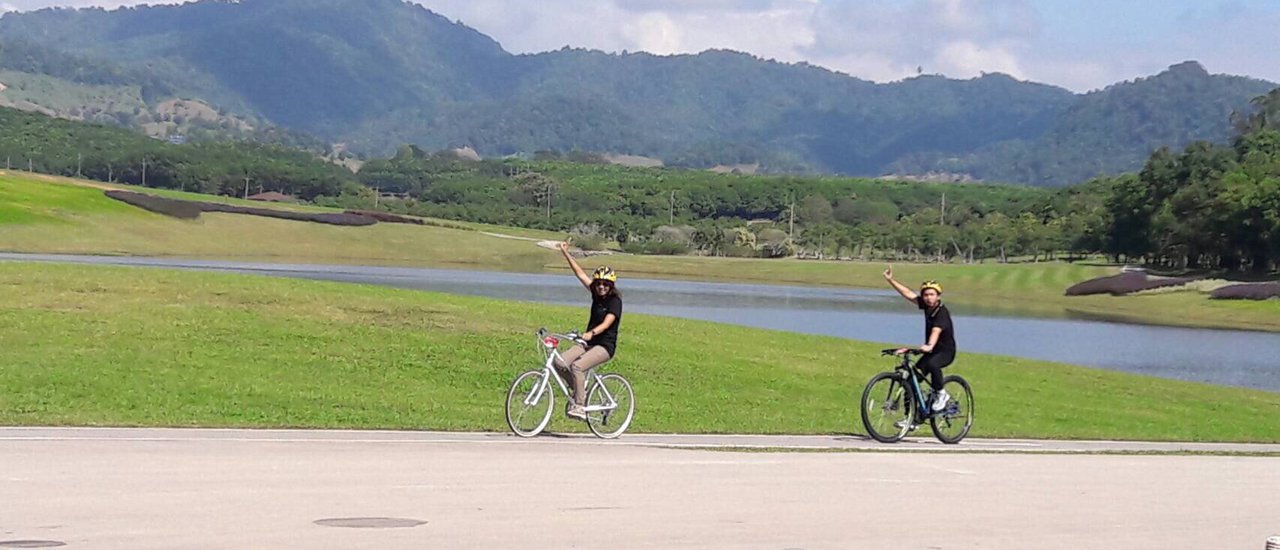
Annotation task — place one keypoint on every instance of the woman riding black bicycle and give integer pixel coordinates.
(940, 342)
(601, 334)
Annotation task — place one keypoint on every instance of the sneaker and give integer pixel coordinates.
(940, 401)
(576, 412)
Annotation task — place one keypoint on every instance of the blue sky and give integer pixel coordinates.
(1077, 44)
(1135, 22)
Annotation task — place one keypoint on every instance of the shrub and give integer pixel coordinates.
(655, 248)
(674, 235)
(1249, 291)
(777, 250)
(190, 210)
(185, 210)
(770, 235)
(1124, 283)
(588, 237)
(325, 218)
(386, 217)
(740, 251)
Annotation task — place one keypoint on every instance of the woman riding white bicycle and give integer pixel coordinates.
(601, 334)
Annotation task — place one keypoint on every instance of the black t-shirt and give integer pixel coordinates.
(599, 308)
(938, 317)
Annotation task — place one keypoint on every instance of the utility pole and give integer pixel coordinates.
(548, 201)
(144, 171)
(672, 216)
(791, 233)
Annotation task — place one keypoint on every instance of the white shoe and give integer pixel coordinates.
(940, 401)
(904, 424)
(576, 412)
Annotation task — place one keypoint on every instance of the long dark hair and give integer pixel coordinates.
(613, 288)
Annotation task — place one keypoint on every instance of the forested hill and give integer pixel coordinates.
(378, 73)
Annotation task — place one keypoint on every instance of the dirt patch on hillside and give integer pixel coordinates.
(634, 161)
(745, 169)
(196, 110)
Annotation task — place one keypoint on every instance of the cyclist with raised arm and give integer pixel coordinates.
(939, 349)
(601, 336)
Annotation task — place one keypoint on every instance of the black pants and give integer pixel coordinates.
(933, 363)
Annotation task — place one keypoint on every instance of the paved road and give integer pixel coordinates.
(142, 489)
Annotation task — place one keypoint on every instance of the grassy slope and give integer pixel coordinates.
(136, 346)
(53, 215)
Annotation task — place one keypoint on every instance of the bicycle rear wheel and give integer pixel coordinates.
(887, 412)
(952, 423)
(610, 422)
(528, 411)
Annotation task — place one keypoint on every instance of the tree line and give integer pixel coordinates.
(1208, 206)
(30, 141)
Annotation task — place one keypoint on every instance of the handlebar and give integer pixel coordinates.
(894, 351)
(552, 339)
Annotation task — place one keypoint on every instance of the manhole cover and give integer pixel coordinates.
(370, 523)
(31, 544)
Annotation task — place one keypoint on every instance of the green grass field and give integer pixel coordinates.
(29, 203)
(109, 346)
(55, 215)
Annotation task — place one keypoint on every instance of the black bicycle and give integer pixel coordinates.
(896, 403)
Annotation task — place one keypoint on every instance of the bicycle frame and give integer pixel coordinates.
(913, 382)
(549, 371)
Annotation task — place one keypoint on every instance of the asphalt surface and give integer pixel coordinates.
(162, 488)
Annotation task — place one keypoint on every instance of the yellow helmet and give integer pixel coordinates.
(931, 284)
(604, 273)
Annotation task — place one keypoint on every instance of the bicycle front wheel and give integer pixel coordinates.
(952, 423)
(529, 404)
(887, 412)
(610, 406)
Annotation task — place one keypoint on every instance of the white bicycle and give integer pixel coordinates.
(531, 399)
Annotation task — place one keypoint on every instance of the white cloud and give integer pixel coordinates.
(958, 38)
(967, 58)
(654, 32)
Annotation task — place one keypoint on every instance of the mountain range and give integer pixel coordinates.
(374, 74)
